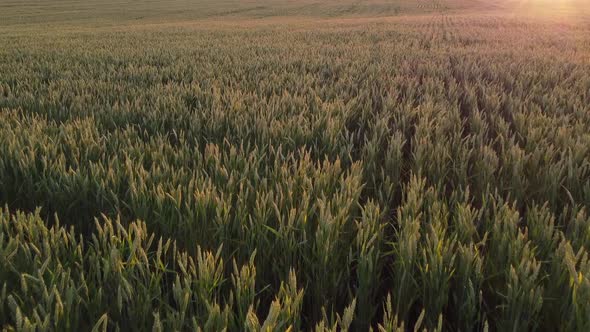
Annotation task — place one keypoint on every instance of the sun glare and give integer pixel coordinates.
(552, 9)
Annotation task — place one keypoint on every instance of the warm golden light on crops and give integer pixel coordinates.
(564, 11)
(280, 165)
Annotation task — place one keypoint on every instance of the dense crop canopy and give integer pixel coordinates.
(279, 166)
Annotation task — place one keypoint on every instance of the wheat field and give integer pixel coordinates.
(280, 165)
